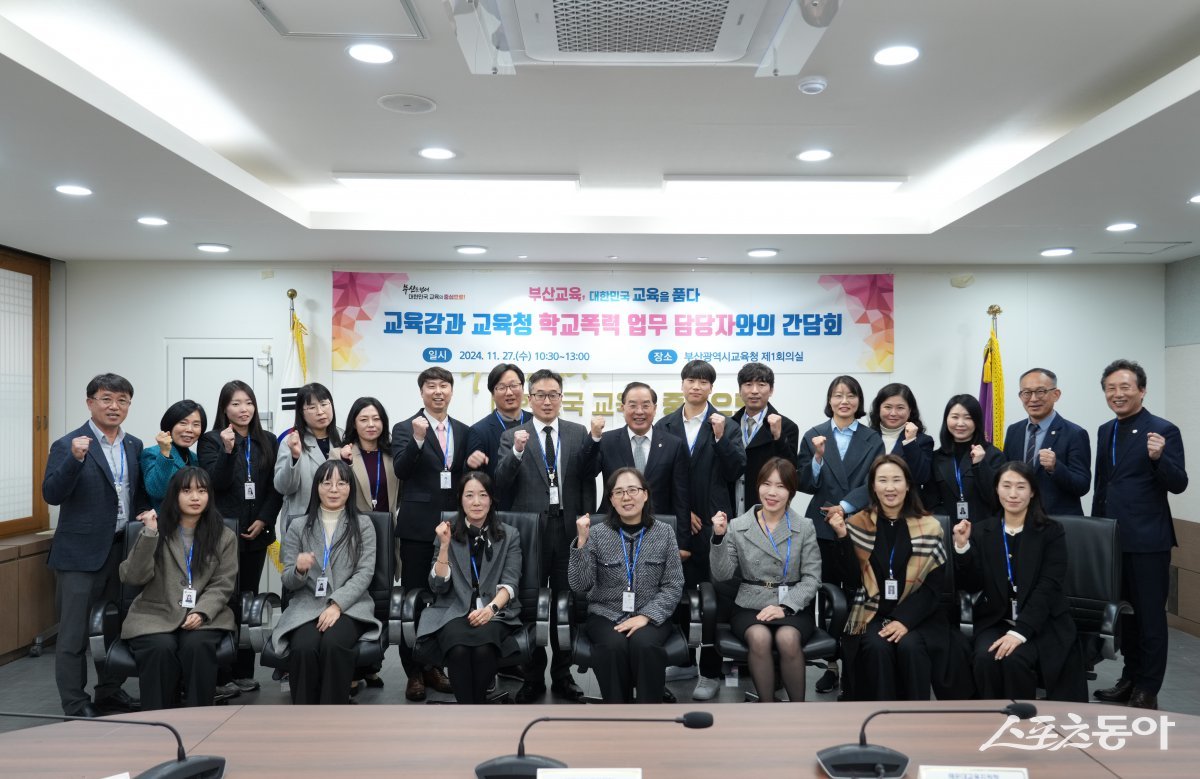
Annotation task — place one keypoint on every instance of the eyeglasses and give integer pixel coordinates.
(318, 405)
(1038, 393)
(627, 492)
(335, 485)
(109, 400)
(502, 388)
(542, 397)
(840, 397)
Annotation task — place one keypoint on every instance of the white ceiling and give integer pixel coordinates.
(1023, 125)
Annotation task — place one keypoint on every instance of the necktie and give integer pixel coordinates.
(551, 458)
(1031, 445)
(441, 434)
(639, 452)
(749, 428)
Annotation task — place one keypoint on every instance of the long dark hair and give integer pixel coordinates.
(493, 528)
(612, 520)
(352, 538)
(255, 429)
(315, 393)
(207, 539)
(891, 391)
(1036, 513)
(385, 437)
(974, 410)
(912, 507)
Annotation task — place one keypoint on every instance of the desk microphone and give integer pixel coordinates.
(182, 767)
(526, 766)
(854, 761)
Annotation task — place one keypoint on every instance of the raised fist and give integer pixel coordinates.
(582, 526)
(818, 445)
(163, 439)
(775, 422)
(718, 425)
(443, 533)
(476, 460)
(720, 523)
(520, 438)
(294, 444)
(79, 447)
(420, 428)
(228, 439)
(962, 533)
(597, 426)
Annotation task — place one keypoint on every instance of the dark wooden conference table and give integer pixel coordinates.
(448, 741)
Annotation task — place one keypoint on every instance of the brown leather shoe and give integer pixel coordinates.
(415, 691)
(437, 680)
(1143, 700)
(1118, 693)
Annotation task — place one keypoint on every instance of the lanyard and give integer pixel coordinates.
(475, 569)
(696, 440)
(788, 559)
(378, 473)
(449, 440)
(500, 419)
(249, 474)
(958, 478)
(188, 559)
(1007, 556)
(325, 565)
(892, 561)
(630, 569)
(120, 474)
(746, 434)
(1116, 424)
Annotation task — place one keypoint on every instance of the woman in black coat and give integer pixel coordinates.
(964, 466)
(1023, 627)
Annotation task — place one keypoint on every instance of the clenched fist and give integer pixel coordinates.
(977, 453)
(962, 533)
(583, 526)
(163, 439)
(818, 445)
(420, 428)
(597, 426)
(775, 422)
(520, 438)
(295, 446)
(718, 425)
(228, 439)
(1154, 445)
(443, 533)
(720, 523)
(476, 460)
(79, 447)
(910, 431)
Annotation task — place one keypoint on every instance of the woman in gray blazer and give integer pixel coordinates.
(775, 554)
(628, 568)
(313, 439)
(328, 564)
(475, 574)
(186, 563)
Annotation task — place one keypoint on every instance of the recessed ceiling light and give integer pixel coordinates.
(1121, 227)
(613, 257)
(812, 85)
(701, 259)
(437, 153)
(371, 53)
(896, 55)
(470, 249)
(1060, 252)
(522, 256)
(213, 248)
(152, 221)
(1194, 199)
(762, 252)
(72, 189)
(814, 155)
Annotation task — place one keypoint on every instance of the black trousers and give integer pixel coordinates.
(627, 662)
(695, 571)
(1145, 580)
(75, 594)
(321, 665)
(250, 568)
(1016, 676)
(555, 557)
(892, 672)
(472, 669)
(416, 560)
(166, 659)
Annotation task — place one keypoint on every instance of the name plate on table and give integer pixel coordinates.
(589, 773)
(970, 772)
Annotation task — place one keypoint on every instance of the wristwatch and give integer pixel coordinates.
(495, 609)
(788, 610)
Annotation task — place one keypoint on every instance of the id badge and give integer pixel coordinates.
(446, 483)
(627, 601)
(964, 510)
(1012, 608)
(783, 591)
(554, 495)
(249, 490)
(189, 598)
(891, 589)
(121, 508)
(478, 603)
(322, 586)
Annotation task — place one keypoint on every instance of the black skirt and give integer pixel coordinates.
(743, 618)
(432, 648)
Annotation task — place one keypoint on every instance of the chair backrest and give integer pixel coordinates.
(382, 582)
(949, 594)
(1094, 569)
(129, 592)
(531, 527)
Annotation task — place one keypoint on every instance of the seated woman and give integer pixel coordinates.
(476, 571)
(892, 555)
(186, 563)
(328, 563)
(775, 555)
(1023, 628)
(628, 568)
(180, 427)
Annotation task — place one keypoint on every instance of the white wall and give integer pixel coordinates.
(116, 317)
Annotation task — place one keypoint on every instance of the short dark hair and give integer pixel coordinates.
(1111, 368)
(855, 388)
(698, 369)
(436, 373)
(498, 373)
(787, 474)
(639, 385)
(180, 410)
(891, 391)
(110, 382)
(385, 437)
(913, 507)
(1049, 374)
(971, 404)
(612, 520)
(756, 371)
(315, 392)
(542, 374)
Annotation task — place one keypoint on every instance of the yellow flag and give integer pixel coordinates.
(991, 392)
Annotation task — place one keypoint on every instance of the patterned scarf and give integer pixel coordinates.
(927, 554)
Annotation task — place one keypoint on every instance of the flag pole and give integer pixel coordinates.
(291, 293)
(994, 311)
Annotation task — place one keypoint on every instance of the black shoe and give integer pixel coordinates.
(566, 688)
(119, 701)
(1118, 693)
(669, 697)
(374, 681)
(530, 692)
(88, 710)
(1140, 699)
(828, 682)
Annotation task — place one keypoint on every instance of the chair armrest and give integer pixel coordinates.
(564, 610)
(258, 618)
(413, 603)
(543, 617)
(708, 614)
(834, 608)
(104, 626)
(242, 634)
(694, 627)
(395, 630)
(1110, 624)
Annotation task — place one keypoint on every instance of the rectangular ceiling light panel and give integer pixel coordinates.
(342, 19)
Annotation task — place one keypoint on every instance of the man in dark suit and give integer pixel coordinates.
(662, 458)
(539, 465)
(92, 475)
(429, 450)
(765, 432)
(506, 382)
(1058, 451)
(1139, 459)
(716, 459)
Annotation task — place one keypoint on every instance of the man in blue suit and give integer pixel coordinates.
(1058, 451)
(1139, 459)
(506, 382)
(92, 475)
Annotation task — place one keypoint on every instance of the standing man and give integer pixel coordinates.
(539, 465)
(506, 382)
(92, 475)
(716, 459)
(1058, 451)
(1139, 459)
(428, 451)
(765, 432)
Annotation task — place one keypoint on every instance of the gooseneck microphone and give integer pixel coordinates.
(856, 761)
(526, 766)
(182, 767)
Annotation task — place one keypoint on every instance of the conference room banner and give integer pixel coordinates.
(618, 321)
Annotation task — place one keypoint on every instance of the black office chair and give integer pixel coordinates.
(111, 653)
(534, 598)
(1093, 585)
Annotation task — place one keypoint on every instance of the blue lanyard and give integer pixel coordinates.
(324, 535)
(958, 477)
(378, 474)
(121, 474)
(557, 454)
(188, 559)
(891, 561)
(746, 436)
(475, 568)
(630, 569)
(246, 444)
(788, 559)
(1116, 424)
(449, 440)
(1007, 557)
(500, 419)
